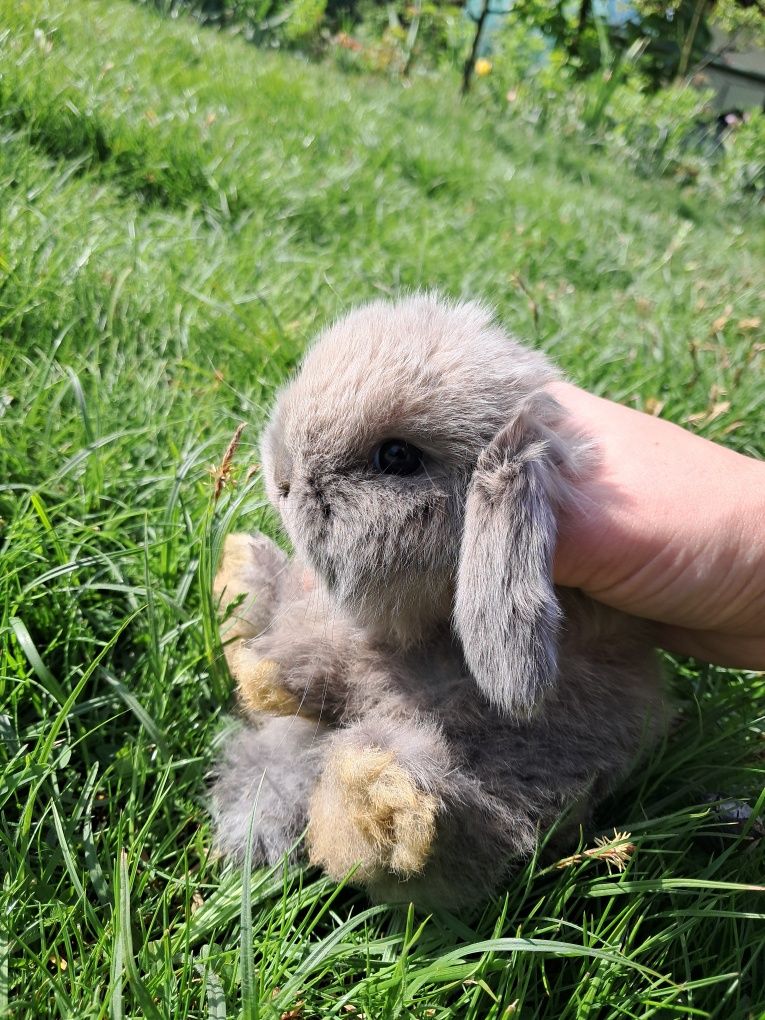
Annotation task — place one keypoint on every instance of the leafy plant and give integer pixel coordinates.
(742, 167)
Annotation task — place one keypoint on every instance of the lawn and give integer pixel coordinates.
(179, 212)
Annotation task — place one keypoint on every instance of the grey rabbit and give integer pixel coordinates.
(420, 698)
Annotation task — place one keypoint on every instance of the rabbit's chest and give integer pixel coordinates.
(436, 683)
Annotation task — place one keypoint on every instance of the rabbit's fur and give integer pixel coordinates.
(419, 695)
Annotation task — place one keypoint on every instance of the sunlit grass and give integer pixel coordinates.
(178, 213)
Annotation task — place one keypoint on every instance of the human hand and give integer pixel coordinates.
(672, 530)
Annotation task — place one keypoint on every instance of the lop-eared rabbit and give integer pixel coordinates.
(420, 698)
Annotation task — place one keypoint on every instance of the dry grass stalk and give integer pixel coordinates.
(616, 851)
(222, 474)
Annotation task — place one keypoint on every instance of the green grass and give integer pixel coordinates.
(178, 213)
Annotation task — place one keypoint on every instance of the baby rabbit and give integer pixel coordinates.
(420, 697)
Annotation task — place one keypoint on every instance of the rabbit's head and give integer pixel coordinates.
(371, 449)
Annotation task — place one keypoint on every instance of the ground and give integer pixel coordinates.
(179, 212)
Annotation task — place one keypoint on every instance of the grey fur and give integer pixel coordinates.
(432, 644)
(265, 779)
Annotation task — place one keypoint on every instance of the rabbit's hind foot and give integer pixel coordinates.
(368, 814)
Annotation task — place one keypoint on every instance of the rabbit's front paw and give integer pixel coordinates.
(245, 582)
(367, 812)
(259, 685)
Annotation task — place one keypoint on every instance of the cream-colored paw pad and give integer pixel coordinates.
(367, 812)
(258, 685)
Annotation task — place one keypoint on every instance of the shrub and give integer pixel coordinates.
(670, 130)
(742, 167)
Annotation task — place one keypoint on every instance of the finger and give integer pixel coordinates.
(727, 650)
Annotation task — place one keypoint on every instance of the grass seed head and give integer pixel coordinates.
(222, 475)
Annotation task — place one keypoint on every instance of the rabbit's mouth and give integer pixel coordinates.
(329, 575)
(319, 498)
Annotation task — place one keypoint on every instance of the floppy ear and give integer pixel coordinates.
(506, 611)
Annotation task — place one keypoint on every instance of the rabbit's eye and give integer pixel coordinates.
(397, 457)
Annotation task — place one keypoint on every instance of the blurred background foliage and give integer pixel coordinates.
(638, 77)
(677, 34)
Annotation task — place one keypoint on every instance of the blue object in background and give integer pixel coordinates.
(612, 12)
